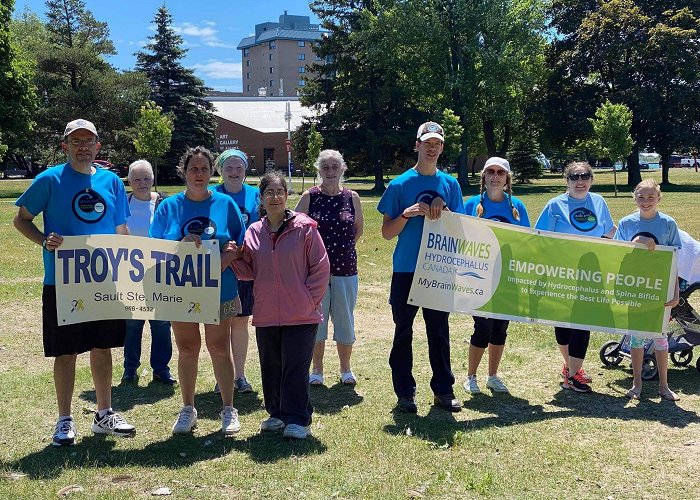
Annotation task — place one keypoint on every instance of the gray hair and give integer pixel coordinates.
(137, 164)
(330, 154)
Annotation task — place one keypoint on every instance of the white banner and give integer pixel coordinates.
(130, 277)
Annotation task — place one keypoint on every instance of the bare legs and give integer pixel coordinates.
(344, 353)
(476, 353)
(239, 344)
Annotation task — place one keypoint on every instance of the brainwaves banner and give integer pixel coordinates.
(504, 271)
(115, 276)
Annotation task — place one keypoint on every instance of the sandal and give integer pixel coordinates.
(632, 394)
(669, 396)
(348, 378)
(316, 379)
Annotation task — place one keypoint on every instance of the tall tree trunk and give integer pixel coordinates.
(665, 164)
(462, 173)
(505, 145)
(489, 137)
(634, 177)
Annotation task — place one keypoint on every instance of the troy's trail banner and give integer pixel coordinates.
(115, 276)
(504, 271)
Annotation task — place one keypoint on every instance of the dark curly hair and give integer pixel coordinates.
(268, 178)
(185, 159)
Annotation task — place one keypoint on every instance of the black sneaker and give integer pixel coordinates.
(112, 423)
(407, 405)
(164, 378)
(448, 402)
(64, 433)
(578, 383)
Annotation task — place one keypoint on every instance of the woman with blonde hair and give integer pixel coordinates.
(496, 202)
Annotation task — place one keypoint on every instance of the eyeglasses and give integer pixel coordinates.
(79, 143)
(583, 177)
(497, 171)
(271, 194)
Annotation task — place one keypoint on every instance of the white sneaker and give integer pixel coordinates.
(271, 424)
(496, 384)
(112, 423)
(186, 420)
(229, 420)
(470, 385)
(294, 431)
(64, 433)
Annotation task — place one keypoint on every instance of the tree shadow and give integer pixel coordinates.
(332, 400)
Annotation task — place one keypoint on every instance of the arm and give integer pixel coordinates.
(303, 204)
(122, 229)
(319, 266)
(392, 227)
(242, 259)
(24, 222)
(676, 295)
(359, 218)
(610, 234)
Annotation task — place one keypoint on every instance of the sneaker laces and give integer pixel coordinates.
(578, 377)
(64, 426)
(229, 413)
(112, 421)
(184, 417)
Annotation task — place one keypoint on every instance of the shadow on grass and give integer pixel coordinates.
(176, 452)
(331, 400)
(504, 410)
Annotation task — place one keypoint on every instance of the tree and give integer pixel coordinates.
(154, 131)
(18, 99)
(315, 144)
(453, 135)
(523, 160)
(176, 90)
(611, 126)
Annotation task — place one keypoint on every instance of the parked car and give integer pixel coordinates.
(121, 171)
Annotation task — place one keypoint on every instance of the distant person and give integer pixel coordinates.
(583, 213)
(650, 227)
(495, 202)
(192, 216)
(142, 204)
(232, 165)
(421, 191)
(284, 256)
(76, 199)
(338, 212)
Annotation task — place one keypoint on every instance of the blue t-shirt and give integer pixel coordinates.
(408, 189)
(217, 217)
(587, 217)
(247, 199)
(661, 228)
(500, 211)
(75, 204)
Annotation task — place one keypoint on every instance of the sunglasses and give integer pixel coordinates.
(497, 171)
(583, 177)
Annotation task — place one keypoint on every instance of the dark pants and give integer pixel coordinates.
(161, 346)
(285, 358)
(438, 331)
(489, 331)
(577, 340)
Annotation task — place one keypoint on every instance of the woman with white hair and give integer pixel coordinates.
(495, 201)
(142, 204)
(338, 212)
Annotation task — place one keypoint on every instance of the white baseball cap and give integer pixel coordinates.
(496, 161)
(78, 125)
(430, 130)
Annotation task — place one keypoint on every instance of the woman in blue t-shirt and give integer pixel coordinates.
(192, 216)
(495, 202)
(583, 213)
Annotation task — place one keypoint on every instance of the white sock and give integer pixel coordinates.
(104, 412)
(65, 417)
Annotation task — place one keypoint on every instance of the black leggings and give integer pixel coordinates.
(577, 340)
(489, 331)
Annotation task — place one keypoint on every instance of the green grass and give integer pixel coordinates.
(539, 442)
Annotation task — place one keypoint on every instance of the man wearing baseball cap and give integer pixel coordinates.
(76, 198)
(420, 192)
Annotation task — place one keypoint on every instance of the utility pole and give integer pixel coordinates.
(288, 118)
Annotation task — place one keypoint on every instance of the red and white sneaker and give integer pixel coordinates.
(565, 374)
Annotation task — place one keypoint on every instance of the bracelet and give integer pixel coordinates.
(404, 216)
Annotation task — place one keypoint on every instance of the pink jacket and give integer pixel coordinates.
(290, 277)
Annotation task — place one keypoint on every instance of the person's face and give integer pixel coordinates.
(495, 177)
(81, 147)
(198, 172)
(233, 171)
(647, 199)
(141, 182)
(274, 198)
(429, 150)
(330, 170)
(579, 181)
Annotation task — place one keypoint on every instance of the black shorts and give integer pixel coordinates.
(245, 292)
(80, 337)
(489, 331)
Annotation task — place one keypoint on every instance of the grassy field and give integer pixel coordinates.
(538, 442)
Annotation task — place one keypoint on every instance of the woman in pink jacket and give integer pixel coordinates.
(283, 254)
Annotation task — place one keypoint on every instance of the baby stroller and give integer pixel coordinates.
(683, 335)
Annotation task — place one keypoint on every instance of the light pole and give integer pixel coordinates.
(288, 118)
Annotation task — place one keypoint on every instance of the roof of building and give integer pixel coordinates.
(264, 114)
(279, 34)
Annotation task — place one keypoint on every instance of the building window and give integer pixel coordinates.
(271, 44)
(319, 58)
(270, 57)
(302, 83)
(301, 43)
(302, 57)
(247, 75)
(247, 88)
(246, 52)
(247, 63)
(272, 70)
(301, 69)
(272, 83)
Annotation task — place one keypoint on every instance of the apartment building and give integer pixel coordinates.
(278, 56)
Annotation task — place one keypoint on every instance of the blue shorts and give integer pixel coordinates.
(338, 305)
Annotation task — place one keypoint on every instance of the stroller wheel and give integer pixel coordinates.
(697, 365)
(682, 358)
(649, 369)
(610, 353)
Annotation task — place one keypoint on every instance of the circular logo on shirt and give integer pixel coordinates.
(500, 218)
(583, 219)
(202, 226)
(89, 206)
(427, 197)
(245, 214)
(647, 234)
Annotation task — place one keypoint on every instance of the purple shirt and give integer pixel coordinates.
(336, 224)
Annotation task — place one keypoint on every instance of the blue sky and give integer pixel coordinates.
(211, 30)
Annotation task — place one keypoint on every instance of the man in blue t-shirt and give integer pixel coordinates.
(76, 198)
(422, 191)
